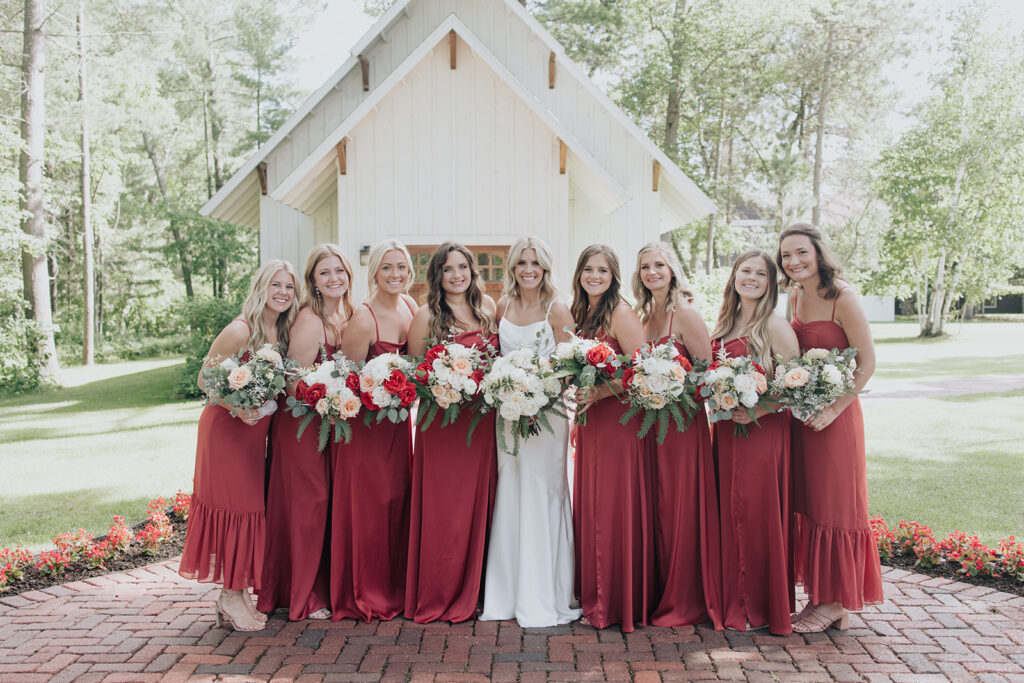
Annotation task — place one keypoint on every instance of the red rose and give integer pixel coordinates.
(433, 353)
(368, 402)
(477, 376)
(627, 376)
(685, 362)
(352, 382)
(759, 368)
(423, 371)
(599, 354)
(300, 390)
(394, 383)
(407, 394)
(315, 393)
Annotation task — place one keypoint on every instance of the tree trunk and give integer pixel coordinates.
(822, 115)
(675, 91)
(30, 171)
(954, 282)
(936, 298)
(88, 272)
(179, 242)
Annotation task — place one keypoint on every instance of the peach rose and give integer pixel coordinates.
(239, 377)
(349, 407)
(761, 383)
(322, 406)
(678, 372)
(366, 383)
(727, 402)
(797, 377)
(462, 366)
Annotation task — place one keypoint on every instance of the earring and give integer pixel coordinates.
(316, 292)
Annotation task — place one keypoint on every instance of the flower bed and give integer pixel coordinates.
(77, 555)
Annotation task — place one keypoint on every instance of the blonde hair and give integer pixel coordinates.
(377, 256)
(758, 329)
(442, 318)
(310, 296)
(678, 288)
(591, 323)
(252, 309)
(547, 287)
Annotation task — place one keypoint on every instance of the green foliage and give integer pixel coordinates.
(20, 364)
(206, 317)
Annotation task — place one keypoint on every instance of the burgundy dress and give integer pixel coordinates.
(295, 570)
(226, 525)
(370, 514)
(753, 475)
(686, 535)
(452, 498)
(613, 517)
(834, 551)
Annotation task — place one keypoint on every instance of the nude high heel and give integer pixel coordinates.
(238, 623)
(814, 622)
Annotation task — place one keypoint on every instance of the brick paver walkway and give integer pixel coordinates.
(148, 624)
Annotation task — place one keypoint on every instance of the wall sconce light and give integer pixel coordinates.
(364, 254)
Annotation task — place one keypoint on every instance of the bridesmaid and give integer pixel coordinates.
(686, 495)
(226, 526)
(835, 556)
(370, 502)
(295, 568)
(529, 562)
(452, 484)
(613, 497)
(753, 470)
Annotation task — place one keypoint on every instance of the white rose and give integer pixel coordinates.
(469, 387)
(443, 402)
(509, 412)
(268, 354)
(725, 371)
(831, 374)
(657, 402)
(381, 397)
(229, 364)
(748, 398)
(564, 351)
(816, 354)
(658, 383)
(552, 386)
(745, 384)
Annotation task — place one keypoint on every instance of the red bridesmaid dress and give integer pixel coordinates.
(686, 535)
(452, 497)
(613, 517)
(295, 570)
(834, 551)
(226, 526)
(370, 514)
(753, 475)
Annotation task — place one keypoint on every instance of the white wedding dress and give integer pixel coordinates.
(529, 574)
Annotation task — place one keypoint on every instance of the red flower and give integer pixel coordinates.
(315, 393)
(599, 354)
(477, 376)
(368, 402)
(394, 383)
(433, 353)
(300, 390)
(685, 362)
(423, 371)
(627, 376)
(759, 368)
(407, 394)
(352, 382)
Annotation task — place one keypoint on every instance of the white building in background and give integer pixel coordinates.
(458, 120)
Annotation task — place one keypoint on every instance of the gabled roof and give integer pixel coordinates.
(684, 198)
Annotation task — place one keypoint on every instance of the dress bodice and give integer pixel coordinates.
(512, 336)
(734, 348)
(382, 346)
(820, 334)
(476, 338)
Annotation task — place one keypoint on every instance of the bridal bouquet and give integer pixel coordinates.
(449, 378)
(730, 383)
(660, 382)
(386, 388)
(809, 384)
(523, 389)
(587, 363)
(253, 384)
(330, 390)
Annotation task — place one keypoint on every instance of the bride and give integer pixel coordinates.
(529, 573)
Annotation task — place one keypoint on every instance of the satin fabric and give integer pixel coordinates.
(686, 523)
(834, 551)
(753, 497)
(226, 533)
(453, 489)
(295, 566)
(613, 517)
(370, 515)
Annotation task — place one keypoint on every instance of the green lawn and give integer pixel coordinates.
(112, 438)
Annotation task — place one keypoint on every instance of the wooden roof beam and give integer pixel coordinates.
(261, 173)
(364, 65)
(551, 71)
(342, 150)
(452, 44)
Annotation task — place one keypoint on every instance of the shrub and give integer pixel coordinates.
(20, 364)
(974, 557)
(182, 503)
(156, 532)
(911, 538)
(74, 544)
(206, 318)
(12, 564)
(52, 562)
(1011, 560)
(99, 552)
(120, 534)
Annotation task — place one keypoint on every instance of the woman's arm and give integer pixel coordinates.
(419, 330)
(232, 340)
(359, 335)
(690, 329)
(854, 322)
(628, 331)
(561, 321)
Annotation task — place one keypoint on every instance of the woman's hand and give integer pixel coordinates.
(741, 416)
(823, 419)
(586, 398)
(249, 416)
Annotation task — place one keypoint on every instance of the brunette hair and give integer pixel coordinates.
(311, 296)
(590, 323)
(758, 328)
(544, 257)
(252, 309)
(678, 288)
(377, 255)
(829, 270)
(442, 319)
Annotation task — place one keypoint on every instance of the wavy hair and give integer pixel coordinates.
(311, 296)
(442, 318)
(678, 288)
(590, 323)
(548, 291)
(758, 328)
(829, 269)
(252, 309)
(377, 256)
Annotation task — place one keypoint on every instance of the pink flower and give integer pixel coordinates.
(239, 377)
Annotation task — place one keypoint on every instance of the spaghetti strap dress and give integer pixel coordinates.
(753, 497)
(295, 566)
(370, 514)
(686, 534)
(834, 551)
(224, 543)
(452, 498)
(613, 517)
